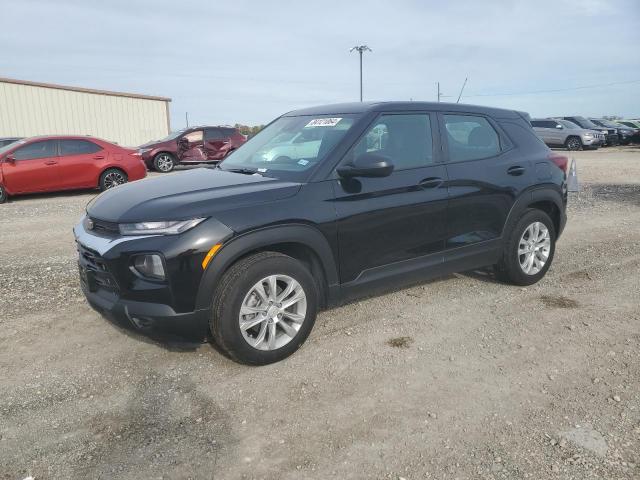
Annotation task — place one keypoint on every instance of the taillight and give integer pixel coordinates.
(560, 160)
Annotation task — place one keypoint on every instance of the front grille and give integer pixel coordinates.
(103, 228)
(94, 271)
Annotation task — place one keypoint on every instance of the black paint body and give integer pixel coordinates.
(357, 235)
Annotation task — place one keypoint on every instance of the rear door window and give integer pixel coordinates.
(470, 137)
(78, 147)
(212, 134)
(35, 150)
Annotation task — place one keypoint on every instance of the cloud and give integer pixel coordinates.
(241, 61)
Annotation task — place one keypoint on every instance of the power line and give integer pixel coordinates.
(536, 92)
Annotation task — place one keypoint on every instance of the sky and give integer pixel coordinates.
(249, 61)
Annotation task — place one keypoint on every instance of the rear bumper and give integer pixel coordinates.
(138, 171)
(563, 223)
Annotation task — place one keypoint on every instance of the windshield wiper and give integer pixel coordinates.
(245, 171)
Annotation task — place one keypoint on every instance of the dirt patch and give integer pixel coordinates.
(579, 275)
(558, 301)
(400, 342)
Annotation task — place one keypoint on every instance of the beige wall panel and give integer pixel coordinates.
(28, 110)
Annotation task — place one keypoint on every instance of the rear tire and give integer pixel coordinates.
(164, 162)
(3, 194)
(522, 244)
(112, 177)
(245, 286)
(573, 143)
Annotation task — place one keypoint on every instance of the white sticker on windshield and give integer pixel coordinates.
(323, 122)
(303, 162)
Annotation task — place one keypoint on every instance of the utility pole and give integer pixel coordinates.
(186, 117)
(361, 49)
(439, 94)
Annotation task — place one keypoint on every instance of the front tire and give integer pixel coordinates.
(264, 308)
(164, 162)
(111, 178)
(573, 143)
(3, 194)
(528, 249)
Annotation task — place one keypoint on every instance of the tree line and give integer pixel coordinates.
(248, 130)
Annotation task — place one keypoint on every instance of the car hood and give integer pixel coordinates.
(195, 193)
(156, 143)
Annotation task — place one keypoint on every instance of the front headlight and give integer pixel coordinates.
(143, 150)
(173, 227)
(588, 135)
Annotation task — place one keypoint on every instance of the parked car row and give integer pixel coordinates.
(53, 163)
(62, 162)
(577, 133)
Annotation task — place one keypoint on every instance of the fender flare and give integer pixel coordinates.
(302, 234)
(531, 196)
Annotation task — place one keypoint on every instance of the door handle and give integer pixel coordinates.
(431, 182)
(99, 157)
(50, 162)
(515, 170)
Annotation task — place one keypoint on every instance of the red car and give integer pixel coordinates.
(47, 164)
(193, 145)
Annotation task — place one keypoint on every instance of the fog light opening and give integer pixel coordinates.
(149, 266)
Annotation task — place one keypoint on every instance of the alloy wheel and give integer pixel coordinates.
(164, 162)
(113, 179)
(534, 248)
(574, 144)
(272, 312)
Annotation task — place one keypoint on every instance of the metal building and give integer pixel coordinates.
(32, 108)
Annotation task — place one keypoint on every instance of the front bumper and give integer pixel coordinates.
(592, 141)
(148, 316)
(112, 288)
(612, 139)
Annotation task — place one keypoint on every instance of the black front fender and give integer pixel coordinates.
(261, 239)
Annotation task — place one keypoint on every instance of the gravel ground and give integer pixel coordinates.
(460, 378)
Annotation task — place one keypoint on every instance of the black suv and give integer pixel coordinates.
(381, 195)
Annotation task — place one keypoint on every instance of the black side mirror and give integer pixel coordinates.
(11, 159)
(367, 165)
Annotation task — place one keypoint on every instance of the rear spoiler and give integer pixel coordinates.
(526, 116)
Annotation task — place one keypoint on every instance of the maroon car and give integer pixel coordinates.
(192, 145)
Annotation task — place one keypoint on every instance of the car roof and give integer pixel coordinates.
(366, 107)
(62, 137)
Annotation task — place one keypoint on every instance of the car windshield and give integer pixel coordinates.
(607, 123)
(584, 123)
(9, 146)
(290, 147)
(172, 135)
(569, 125)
